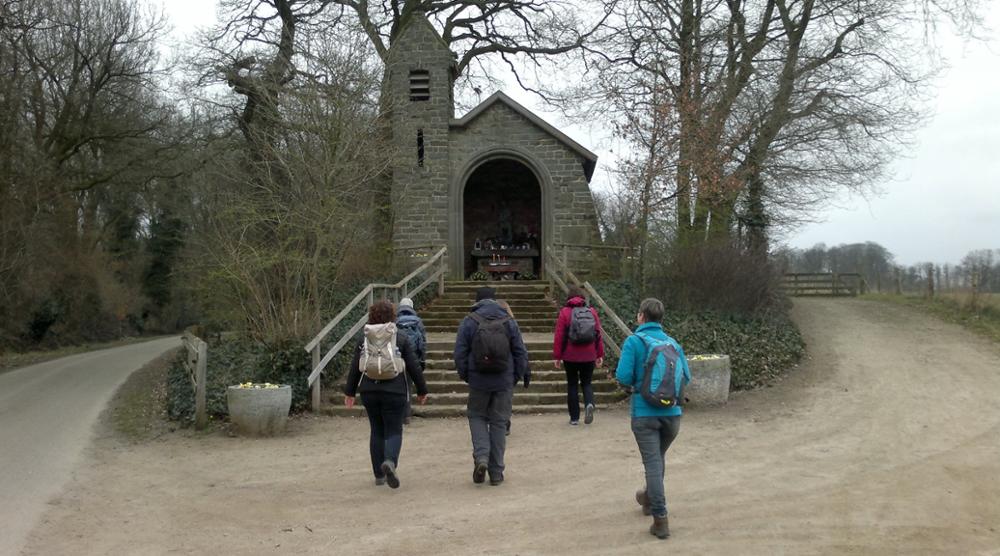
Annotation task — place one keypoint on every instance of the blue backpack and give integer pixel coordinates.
(662, 378)
(409, 326)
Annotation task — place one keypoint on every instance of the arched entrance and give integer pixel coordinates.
(502, 223)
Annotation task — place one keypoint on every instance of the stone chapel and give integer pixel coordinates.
(497, 184)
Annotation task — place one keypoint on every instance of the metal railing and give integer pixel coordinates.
(559, 274)
(395, 292)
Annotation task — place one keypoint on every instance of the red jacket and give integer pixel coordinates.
(563, 349)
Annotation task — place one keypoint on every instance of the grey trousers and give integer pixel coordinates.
(489, 413)
(654, 435)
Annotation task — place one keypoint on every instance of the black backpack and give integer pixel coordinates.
(490, 344)
(582, 326)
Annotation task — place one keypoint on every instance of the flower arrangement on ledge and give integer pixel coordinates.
(258, 385)
(705, 357)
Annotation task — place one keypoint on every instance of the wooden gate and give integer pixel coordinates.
(824, 284)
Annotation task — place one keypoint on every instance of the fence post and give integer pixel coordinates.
(200, 418)
(316, 395)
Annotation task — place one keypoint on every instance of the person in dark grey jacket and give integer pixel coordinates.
(490, 393)
(385, 400)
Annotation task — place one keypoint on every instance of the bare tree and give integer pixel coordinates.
(776, 105)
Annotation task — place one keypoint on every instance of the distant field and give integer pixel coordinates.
(956, 307)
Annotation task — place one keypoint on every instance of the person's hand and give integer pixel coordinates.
(349, 401)
(527, 380)
(422, 399)
(558, 364)
(599, 363)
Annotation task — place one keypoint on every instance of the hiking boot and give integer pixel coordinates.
(389, 469)
(574, 423)
(588, 416)
(379, 481)
(479, 473)
(496, 480)
(643, 500)
(660, 528)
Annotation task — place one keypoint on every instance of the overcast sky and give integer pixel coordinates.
(944, 197)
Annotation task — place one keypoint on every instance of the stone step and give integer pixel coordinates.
(449, 346)
(539, 354)
(470, 296)
(446, 363)
(504, 286)
(524, 397)
(538, 373)
(534, 329)
(456, 410)
(533, 322)
(547, 385)
(460, 313)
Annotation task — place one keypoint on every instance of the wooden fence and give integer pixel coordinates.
(435, 271)
(830, 284)
(196, 363)
(560, 274)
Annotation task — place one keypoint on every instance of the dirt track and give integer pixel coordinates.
(887, 440)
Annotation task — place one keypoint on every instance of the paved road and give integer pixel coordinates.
(47, 416)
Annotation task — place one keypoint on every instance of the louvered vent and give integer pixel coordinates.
(420, 85)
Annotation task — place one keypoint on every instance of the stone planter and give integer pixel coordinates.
(710, 376)
(259, 411)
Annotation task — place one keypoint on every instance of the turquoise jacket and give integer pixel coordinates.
(632, 365)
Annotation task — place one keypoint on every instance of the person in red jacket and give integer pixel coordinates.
(578, 348)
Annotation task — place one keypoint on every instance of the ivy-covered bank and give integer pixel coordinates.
(760, 347)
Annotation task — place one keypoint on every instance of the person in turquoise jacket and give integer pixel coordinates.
(654, 428)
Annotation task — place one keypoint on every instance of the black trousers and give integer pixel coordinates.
(578, 375)
(385, 415)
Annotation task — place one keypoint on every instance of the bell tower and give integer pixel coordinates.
(421, 72)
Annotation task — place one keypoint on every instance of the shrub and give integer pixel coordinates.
(760, 346)
(234, 361)
(479, 276)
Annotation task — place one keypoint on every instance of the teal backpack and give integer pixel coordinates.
(662, 378)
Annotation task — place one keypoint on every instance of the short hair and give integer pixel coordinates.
(651, 309)
(574, 291)
(381, 312)
(485, 293)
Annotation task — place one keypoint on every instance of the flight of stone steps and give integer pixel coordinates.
(535, 314)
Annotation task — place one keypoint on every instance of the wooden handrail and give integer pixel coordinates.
(552, 261)
(319, 362)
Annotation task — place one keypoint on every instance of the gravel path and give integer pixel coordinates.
(886, 440)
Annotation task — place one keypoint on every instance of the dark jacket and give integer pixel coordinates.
(517, 366)
(359, 382)
(406, 315)
(563, 349)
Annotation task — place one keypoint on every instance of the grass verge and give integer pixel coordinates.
(983, 318)
(137, 411)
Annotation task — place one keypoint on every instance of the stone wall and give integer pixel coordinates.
(573, 218)
(420, 192)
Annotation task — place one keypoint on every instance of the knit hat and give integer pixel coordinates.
(485, 293)
(406, 302)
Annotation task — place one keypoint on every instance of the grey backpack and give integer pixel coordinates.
(582, 326)
(380, 357)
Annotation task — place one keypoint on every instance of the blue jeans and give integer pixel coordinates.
(578, 374)
(385, 415)
(489, 414)
(654, 435)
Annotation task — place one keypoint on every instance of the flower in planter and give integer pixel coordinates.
(258, 385)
